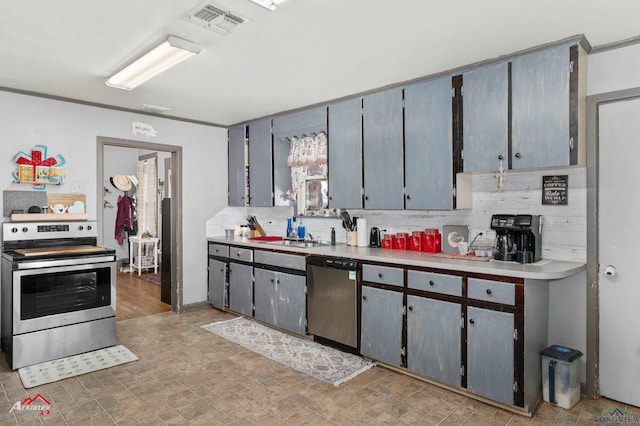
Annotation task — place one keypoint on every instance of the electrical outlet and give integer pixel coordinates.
(76, 187)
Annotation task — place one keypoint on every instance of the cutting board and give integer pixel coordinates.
(66, 199)
(44, 251)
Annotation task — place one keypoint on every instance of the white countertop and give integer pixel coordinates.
(543, 270)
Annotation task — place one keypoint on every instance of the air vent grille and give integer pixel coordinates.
(215, 18)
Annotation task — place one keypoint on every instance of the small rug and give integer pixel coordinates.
(149, 277)
(63, 368)
(314, 359)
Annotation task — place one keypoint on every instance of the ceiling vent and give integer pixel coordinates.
(214, 18)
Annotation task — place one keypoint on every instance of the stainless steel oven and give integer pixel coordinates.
(58, 293)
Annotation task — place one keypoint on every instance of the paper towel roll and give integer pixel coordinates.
(363, 232)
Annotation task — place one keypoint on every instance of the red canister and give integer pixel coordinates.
(416, 240)
(428, 243)
(432, 242)
(388, 241)
(402, 241)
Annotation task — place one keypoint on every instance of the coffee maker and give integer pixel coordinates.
(518, 237)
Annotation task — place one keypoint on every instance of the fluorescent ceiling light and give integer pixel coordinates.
(173, 51)
(269, 4)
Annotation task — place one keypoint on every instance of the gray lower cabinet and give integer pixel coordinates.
(260, 163)
(345, 154)
(381, 325)
(490, 354)
(241, 288)
(280, 300)
(434, 339)
(217, 283)
(382, 150)
(428, 164)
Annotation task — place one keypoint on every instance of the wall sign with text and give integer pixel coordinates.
(555, 189)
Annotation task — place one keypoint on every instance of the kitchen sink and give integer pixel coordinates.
(295, 243)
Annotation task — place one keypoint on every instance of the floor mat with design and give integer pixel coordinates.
(63, 368)
(322, 362)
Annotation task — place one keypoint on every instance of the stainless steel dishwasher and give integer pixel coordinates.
(332, 300)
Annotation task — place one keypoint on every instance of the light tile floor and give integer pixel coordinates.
(187, 375)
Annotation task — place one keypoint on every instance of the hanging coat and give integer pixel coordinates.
(126, 222)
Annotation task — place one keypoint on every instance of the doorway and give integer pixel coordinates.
(173, 259)
(612, 314)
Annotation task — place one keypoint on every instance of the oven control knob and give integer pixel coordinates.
(80, 228)
(25, 229)
(14, 230)
(88, 227)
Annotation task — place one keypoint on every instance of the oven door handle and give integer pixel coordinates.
(64, 262)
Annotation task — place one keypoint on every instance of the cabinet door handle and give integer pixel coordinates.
(272, 280)
(472, 321)
(488, 291)
(364, 297)
(410, 308)
(330, 197)
(518, 155)
(408, 196)
(500, 157)
(432, 283)
(366, 197)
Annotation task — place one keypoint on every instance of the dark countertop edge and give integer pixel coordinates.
(553, 270)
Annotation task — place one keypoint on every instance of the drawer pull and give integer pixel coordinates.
(432, 283)
(411, 308)
(472, 321)
(364, 297)
(380, 275)
(238, 254)
(488, 291)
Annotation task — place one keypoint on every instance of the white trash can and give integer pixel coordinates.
(560, 376)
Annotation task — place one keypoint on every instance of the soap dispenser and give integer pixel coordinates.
(289, 227)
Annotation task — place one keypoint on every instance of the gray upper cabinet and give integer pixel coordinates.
(541, 108)
(383, 151)
(345, 154)
(236, 166)
(486, 117)
(260, 164)
(428, 157)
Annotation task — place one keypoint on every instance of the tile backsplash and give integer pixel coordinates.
(564, 226)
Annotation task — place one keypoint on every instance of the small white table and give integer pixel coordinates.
(135, 245)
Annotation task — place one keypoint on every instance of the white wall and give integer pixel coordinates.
(72, 130)
(613, 70)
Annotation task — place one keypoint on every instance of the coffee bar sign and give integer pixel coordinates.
(555, 189)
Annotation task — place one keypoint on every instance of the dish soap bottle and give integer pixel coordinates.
(289, 227)
(300, 229)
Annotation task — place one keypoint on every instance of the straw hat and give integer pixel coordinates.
(133, 179)
(121, 182)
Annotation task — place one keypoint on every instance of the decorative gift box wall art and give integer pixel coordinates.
(37, 168)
